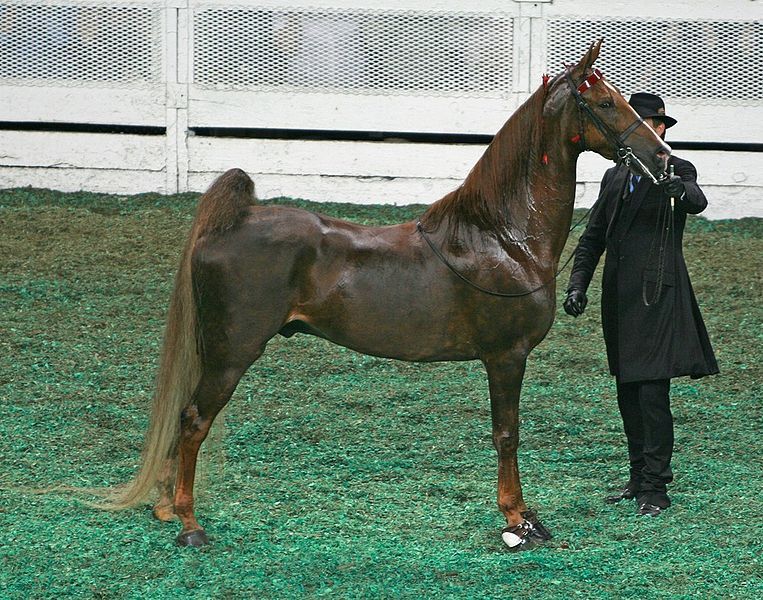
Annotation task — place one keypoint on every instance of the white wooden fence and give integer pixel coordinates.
(162, 95)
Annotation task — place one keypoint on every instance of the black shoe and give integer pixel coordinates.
(659, 499)
(649, 510)
(627, 493)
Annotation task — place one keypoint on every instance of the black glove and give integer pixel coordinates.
(674, 187)
(575, 303)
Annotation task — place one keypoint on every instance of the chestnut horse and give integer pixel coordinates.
(472, 279)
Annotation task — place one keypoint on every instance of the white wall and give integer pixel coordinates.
(198, 70)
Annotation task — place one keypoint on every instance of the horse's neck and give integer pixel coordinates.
(551, 201)
(540, 209)
(520, 193)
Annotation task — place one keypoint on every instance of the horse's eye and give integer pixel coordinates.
(605, 104)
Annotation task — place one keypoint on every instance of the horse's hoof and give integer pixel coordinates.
(195, 538)
(524, 536)
(539, 530)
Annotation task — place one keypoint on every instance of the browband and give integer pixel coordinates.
(589, 81)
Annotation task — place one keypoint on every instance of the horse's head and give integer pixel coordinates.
(599, 118)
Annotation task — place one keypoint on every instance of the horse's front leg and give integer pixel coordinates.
(505, 374)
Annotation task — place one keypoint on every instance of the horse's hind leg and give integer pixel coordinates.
(164, 509)
(212, 394)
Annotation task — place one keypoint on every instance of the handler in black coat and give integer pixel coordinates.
(652, 325)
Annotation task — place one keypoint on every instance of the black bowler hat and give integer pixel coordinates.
(650, 105)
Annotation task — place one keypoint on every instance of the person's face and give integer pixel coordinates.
(658, 125)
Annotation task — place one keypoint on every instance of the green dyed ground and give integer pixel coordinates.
(347, 476)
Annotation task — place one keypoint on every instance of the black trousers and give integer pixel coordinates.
(648, 423)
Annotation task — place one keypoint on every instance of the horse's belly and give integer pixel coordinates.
(415, 316)
(391, 329)
(386, 312)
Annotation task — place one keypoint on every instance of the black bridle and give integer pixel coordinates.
(624, 152)
(665, 219)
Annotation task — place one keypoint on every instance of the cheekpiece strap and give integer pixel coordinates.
(589, 81)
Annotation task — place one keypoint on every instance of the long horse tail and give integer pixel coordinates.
(221, 207)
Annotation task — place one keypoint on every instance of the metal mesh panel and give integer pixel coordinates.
(78, 43)
(353, 51)
(704, 62)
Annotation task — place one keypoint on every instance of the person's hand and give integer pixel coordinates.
(674, 187)
(575, 303)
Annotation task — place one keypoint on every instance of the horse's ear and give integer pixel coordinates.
(590, 56)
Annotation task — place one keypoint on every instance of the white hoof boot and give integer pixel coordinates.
(517, 536)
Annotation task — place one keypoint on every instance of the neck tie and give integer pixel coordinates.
(634, 181)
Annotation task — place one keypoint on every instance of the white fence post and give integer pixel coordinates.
(176, 55)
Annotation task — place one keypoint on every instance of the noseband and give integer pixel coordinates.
(617, 140)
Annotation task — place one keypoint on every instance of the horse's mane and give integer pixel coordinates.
(495, 197)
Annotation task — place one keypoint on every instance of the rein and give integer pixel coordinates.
(665, 220)
(664, 230)
(444, 260)
(476, 286)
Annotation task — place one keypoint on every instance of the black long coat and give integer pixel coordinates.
(668, 338)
